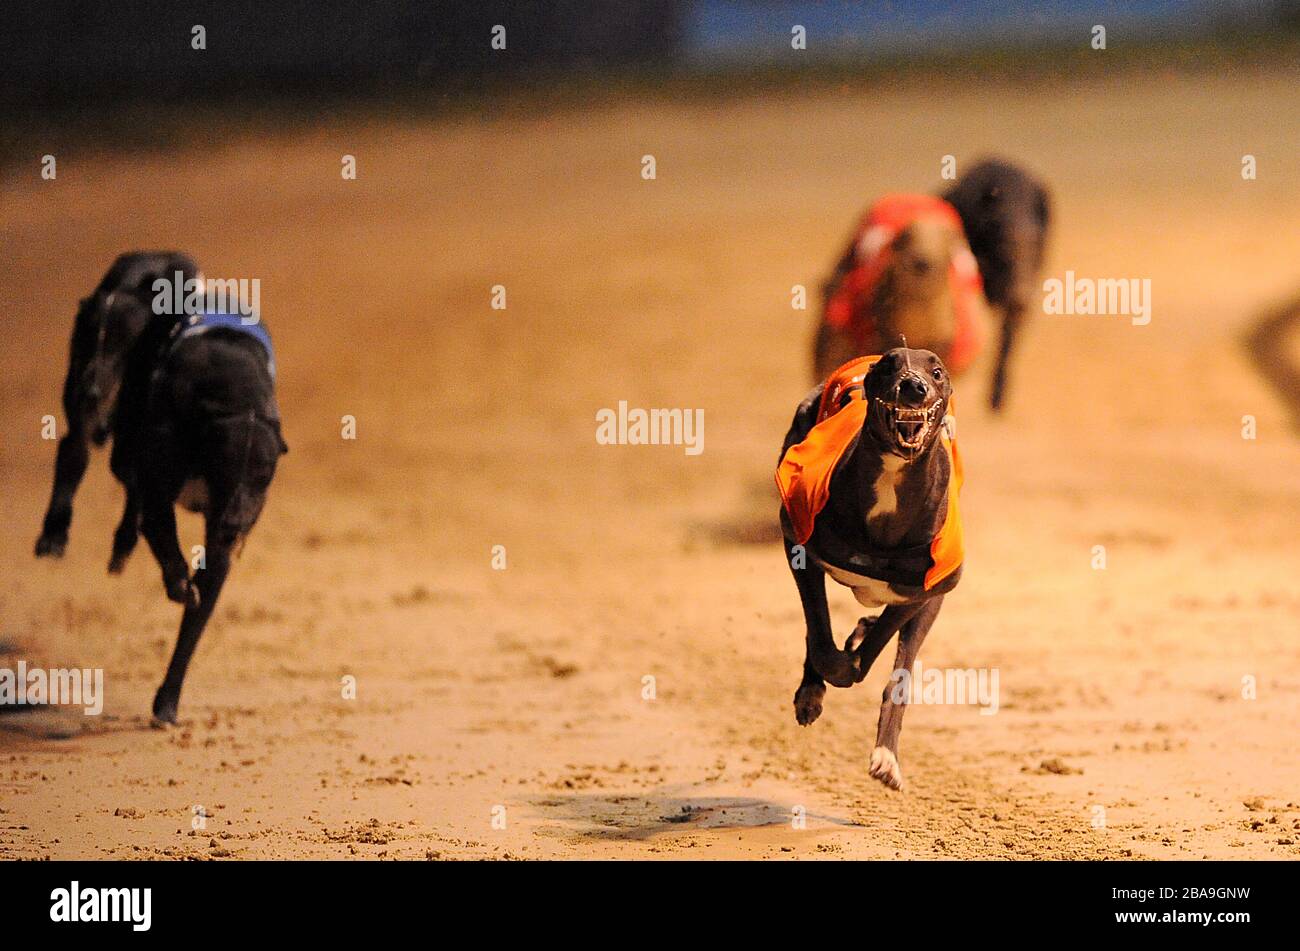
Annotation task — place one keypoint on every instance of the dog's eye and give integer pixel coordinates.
(937, 373)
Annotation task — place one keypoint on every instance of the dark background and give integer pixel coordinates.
(64, 54)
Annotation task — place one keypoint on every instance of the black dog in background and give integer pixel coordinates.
(108, 327)
(208, 438)
(189, 402)
(1005, 213)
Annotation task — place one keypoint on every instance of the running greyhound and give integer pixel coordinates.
(906, 273)
(1005, 212)
(869, 477)
(108, 326)
(209, 439)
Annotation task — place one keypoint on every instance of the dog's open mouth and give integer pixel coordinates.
(911, 427)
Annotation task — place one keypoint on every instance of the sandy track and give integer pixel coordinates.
(523, 688)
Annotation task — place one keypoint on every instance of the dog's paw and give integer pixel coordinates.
(859, 634)
(884, 767)
(843, 670)
(51, 546)
(116, 564)
(808, 703)
(164, 710)
(183, 591)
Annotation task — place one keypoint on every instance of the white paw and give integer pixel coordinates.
(884, 767)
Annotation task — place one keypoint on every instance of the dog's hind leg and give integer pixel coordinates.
(127, 534)
(884, 758)
(872, 634)
(122, 462)
(69, 467)
(208, 582)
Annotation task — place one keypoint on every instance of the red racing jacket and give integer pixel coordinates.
(849, 308)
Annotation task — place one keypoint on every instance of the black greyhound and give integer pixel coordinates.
(109, 324)
(869, 479)
(208, 438)
(1005, 213)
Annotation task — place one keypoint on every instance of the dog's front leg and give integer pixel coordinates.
(69, 466)
(158, 522)
(884, 758)
(823, 661)
(208, 581)
(1012, 317)
(811, 581)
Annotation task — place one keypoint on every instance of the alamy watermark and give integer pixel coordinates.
(947, 685)
(38, 686)
(651, 427)
(133, 906)
(1099, 297)
(197, 295)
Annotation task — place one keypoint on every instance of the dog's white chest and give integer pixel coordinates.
(870, 592)
(886, 488)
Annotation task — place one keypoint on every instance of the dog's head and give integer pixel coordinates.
(920, 256)
(107, 326)
(1005, 212)
(907, 394)
(242, 452)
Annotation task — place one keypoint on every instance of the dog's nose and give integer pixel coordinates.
(912, 390)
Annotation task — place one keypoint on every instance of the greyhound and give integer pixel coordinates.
(869, 478)
(907, 273)
(1005, 213)
(209, 438)
(108, 326)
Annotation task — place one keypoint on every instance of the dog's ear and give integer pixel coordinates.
(144, 283)
(273, 418)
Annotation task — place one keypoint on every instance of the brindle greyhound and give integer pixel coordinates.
(882, 507)
(1005, 213)
(109, 324)
(913, 298)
